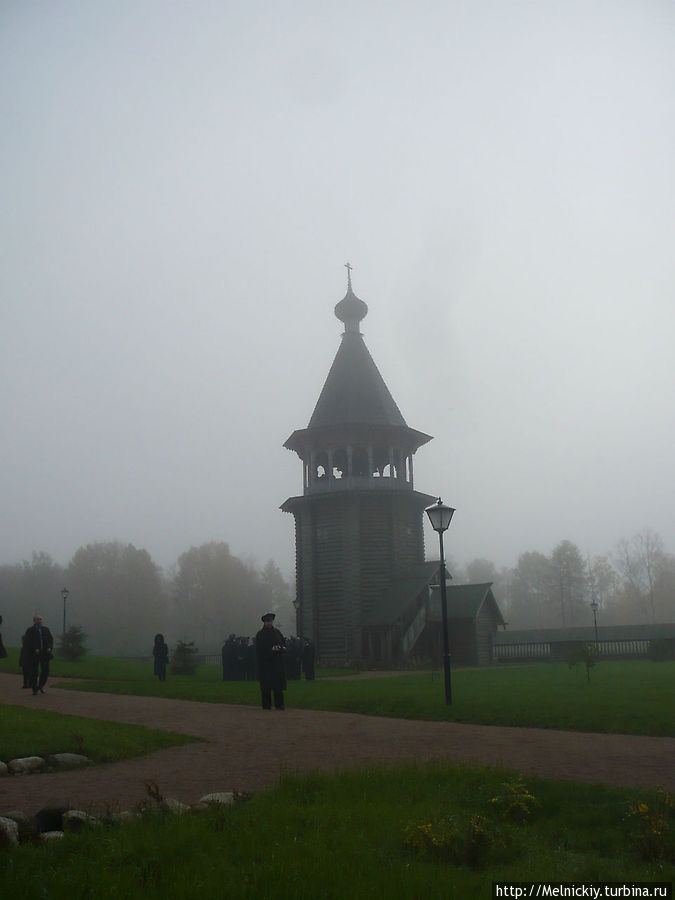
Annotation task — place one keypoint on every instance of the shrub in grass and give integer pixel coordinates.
(585, 653)
(515, 802)
(70, 645)
(472, 841)
(183, 659)
(650, 827)
(479, 838)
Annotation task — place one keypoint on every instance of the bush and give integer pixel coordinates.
(585, 653)
(650, 827)
(70, 645)
(183, 659)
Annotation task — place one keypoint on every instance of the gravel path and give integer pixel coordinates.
(247, 749)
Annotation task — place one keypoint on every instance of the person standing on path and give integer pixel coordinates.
(161, 653)
(270, 646)
(38, 647)
(3, 652)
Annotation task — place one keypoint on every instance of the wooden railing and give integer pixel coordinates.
(209, 659)
(561, 650)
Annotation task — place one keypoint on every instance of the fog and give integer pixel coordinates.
(182, 186)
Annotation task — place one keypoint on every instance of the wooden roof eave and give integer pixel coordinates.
(303, 440)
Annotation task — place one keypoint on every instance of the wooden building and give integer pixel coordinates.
(359, 520)
(408, 623)
(474, 620)
(362, 583)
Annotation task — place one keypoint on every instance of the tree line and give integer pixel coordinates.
(121, 598)
(634, 585)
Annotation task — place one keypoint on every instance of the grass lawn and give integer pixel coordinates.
(633, 697)
(413, 831)
(32, 732)
(357, 835)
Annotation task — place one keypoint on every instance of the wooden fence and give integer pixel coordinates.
(209, 659)
(560, 651)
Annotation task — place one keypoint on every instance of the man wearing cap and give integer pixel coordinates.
(269, 646)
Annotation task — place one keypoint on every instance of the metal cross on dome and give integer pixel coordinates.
(349, 268)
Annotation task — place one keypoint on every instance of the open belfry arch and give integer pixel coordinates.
(362, 580)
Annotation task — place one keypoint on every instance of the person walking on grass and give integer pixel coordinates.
(161, 653)
(269, 647)
(38, 646)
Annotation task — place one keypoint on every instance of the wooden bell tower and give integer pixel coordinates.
(359, 520)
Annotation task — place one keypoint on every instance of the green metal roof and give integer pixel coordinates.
(465, 601)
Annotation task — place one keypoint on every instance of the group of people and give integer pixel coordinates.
(269, 658)
(239, 658)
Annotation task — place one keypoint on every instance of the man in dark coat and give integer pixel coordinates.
(37, 646)
(269, 647)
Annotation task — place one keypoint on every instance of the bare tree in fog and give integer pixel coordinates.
(641, 561)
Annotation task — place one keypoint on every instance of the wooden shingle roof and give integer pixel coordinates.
(354, 392)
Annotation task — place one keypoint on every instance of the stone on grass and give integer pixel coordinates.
(26, 824)
(67, 760)
(25, 765)
(219, 798)
(3, 769)
(51, 835)
(128, 815)
(168, 804)
(74, 820)
(9, 832)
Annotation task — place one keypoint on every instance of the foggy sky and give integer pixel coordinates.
(182, 185)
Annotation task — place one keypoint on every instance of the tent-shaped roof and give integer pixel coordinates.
(355, 392)
(354, 396)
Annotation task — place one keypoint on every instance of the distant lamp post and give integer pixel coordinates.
(594, 607)
(440, 517)
(296, 604)
(64, 594)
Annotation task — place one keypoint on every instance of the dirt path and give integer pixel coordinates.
(248, 748)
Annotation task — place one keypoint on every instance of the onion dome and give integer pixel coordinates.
(351, 309)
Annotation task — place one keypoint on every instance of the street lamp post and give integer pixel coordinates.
(64, 594)
(440, 517)
(296, 604)
(594, 607)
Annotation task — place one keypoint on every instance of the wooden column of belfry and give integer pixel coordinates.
(358, 522)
